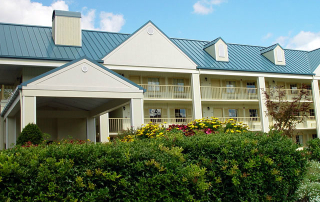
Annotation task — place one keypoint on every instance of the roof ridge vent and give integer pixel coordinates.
(218, 49)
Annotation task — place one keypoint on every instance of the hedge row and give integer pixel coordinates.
(216, 167)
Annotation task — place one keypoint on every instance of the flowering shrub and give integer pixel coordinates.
(205, 125)
(151, 130)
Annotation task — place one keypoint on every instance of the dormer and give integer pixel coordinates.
(218, 49)
(275, 54)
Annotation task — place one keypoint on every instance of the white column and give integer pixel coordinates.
(28, 111)
(316, 99)
(263, 109)
(91, 129)
(11, 133)
(104, 127)
(136, 115)
(2, 133)
(196, 96)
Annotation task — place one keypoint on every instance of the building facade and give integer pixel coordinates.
(91, 84)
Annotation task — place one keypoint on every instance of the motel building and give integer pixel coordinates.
(92, 84)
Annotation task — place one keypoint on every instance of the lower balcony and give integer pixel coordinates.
(228, 93)
(167, 91)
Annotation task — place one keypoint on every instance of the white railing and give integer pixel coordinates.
(168, 121)
(289, 94)
(308, 122)
(254, 123)
(166, 91)
(228, 93)
(118, 124)
(6, 92)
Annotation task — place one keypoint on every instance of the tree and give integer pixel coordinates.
(287, 113)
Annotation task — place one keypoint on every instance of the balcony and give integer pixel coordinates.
(289, 94)
(308, 123)
(228, 93)
(167, 92)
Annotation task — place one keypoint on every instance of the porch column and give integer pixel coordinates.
(91, 129)
(262, 107)
(196, 96)
(136, 115)
(104, 127)
(315, 97)
(11, 133)
(2, 132)
(28, 111)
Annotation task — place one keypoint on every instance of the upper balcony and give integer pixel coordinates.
(175, 92)
(290, 94)
(228, 93)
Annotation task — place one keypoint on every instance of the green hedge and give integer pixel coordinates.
(313, 147)
(219, 167)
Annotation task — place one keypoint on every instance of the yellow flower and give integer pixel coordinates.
(108, 138)
(88, 140)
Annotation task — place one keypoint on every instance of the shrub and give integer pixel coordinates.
(309, 189)
(313, 147)
(219, 167)
(30, 133)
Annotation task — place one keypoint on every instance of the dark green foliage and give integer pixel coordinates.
(220, 167)
(313, 147)
(30, 133)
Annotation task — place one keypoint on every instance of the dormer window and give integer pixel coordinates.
(279, 55)
(218, 49)
(221, 51)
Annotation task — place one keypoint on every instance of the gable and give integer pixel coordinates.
(82, 75)
(218, 50)
(151, 48)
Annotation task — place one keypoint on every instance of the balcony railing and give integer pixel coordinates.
(228, 93)
(168, 121)
(118, 124)
(6, 92)
(289, 94)
(166, 91)
(254, 123)
(308, 122)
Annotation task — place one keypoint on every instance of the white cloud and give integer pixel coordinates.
(27, 12)
(35, 13)
(302, 41)
(267, 36)
(305, 41)
(204, 7)
(111, 22)
(200, 8)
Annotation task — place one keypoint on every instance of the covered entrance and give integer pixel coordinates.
(67, 101)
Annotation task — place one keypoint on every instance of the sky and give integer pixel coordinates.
(294, 24)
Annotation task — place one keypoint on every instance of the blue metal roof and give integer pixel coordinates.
(35, 42)
(213, 42)
(267, 49)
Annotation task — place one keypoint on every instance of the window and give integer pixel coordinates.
(253, 113)
(311, 111)
(231, 86)
(251, 85)
(180, 115)
(179, 83)
(279, 55)
(233, 113)
(221, 51)
(294, 88)
(155, 115)
(299, 139)
(314, 136)
(153, 84)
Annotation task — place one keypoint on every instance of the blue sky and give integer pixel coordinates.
(292, 23)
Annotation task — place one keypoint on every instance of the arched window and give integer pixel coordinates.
(279, 55)
(221, 50)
